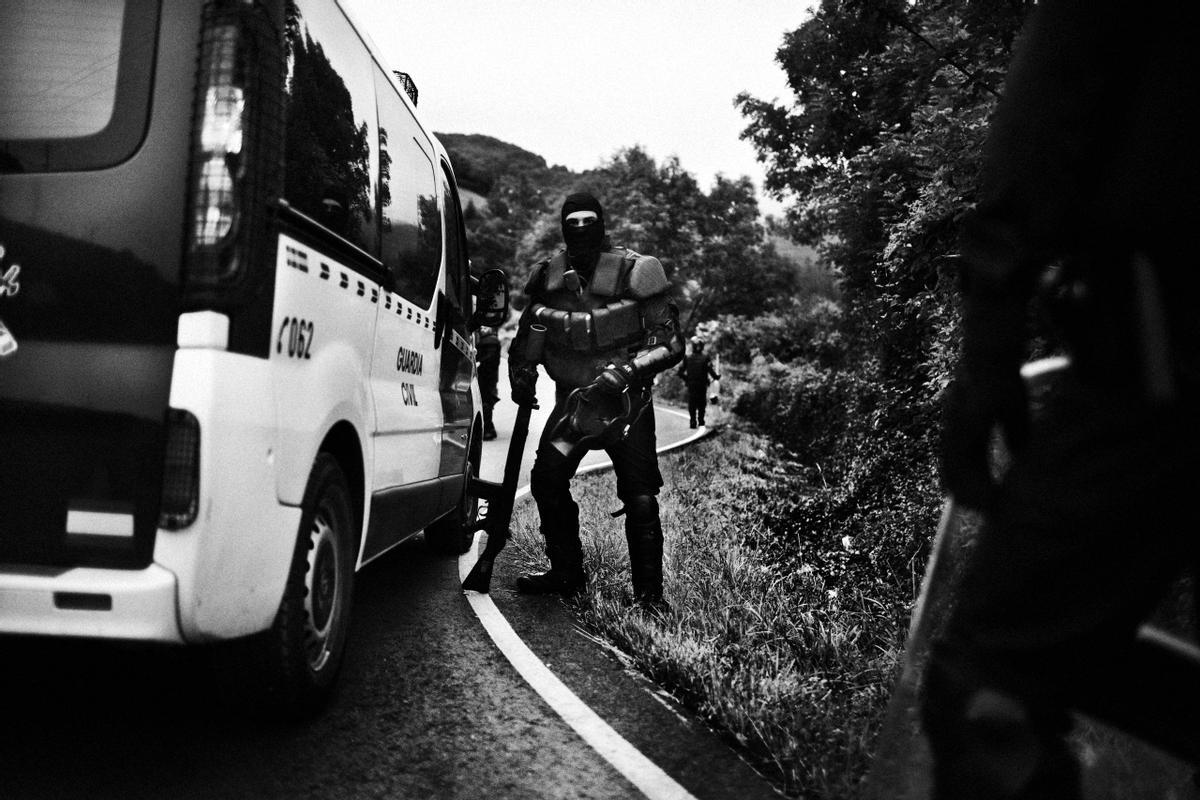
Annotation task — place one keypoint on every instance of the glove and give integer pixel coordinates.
(614, 379)
(974, 404)
(523, 381)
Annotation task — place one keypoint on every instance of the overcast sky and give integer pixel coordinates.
(576, 81)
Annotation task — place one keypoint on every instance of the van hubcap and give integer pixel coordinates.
(322, 597)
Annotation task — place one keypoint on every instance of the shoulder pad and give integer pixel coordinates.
(647, 277)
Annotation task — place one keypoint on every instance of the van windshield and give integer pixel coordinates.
(74, 82)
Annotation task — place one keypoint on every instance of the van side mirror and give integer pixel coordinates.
(491, 293)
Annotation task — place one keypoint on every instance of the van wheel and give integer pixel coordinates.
(304, 647)
(452, 534)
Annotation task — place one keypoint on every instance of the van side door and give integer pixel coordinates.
(405, 369)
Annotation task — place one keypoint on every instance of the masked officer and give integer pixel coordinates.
(1089, 166)
(695, 371)
(610, 326)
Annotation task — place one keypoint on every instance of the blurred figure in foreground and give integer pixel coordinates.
(1090, 167)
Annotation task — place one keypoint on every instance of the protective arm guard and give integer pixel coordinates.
(517, 363)
(521, 372)
(663, 345)
(516, 348)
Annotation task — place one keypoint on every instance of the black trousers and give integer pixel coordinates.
(697, 400)
(489, 377)
(634, 459)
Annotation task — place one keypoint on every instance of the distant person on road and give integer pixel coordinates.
(611, 327)
(1090, 166)
(695, 371)
(487, 363)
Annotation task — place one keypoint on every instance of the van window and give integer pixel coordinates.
(410, 222)
(74, 82)
(330, 123)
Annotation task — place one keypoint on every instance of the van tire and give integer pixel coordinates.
(452, 534)
(303, 649)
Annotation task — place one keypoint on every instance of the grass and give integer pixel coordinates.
(795, 673)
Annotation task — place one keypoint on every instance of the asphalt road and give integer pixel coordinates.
(428, 707)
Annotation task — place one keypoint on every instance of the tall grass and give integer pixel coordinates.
(795, 672)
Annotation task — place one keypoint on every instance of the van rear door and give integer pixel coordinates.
(93, 160)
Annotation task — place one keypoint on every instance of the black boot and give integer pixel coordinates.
(567, 580)
(489, 430)
(560, 529)
(643, 532)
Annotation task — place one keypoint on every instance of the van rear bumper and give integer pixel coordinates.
(90, 602)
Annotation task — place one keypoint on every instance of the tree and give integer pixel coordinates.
(881, 149)
(879, 152)
(494, 238)
(712, 244)
(738, 270)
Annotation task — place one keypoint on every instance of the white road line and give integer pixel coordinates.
(643, 773)
(639, 770)
(670, 410)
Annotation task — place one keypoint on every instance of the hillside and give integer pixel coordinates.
(479, 160)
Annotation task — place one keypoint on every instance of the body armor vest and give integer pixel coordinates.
(592, 319)
(602, 322)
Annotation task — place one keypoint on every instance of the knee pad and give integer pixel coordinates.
(549, 480)
(641, 509)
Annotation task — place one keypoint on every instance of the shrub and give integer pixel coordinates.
(807, 329)
(864, 447)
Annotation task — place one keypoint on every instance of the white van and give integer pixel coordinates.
(235, 315)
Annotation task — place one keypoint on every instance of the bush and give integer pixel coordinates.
(805, 330)
(865, 448)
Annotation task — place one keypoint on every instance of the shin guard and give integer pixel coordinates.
(643, 532)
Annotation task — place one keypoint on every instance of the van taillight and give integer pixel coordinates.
(236, 170)
(181, 471)
(220, 151)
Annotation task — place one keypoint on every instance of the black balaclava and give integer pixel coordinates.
(583, 244)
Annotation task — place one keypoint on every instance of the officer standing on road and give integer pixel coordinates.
(1091, 166)
(612, 327)
(695, 371)
(487, 362)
